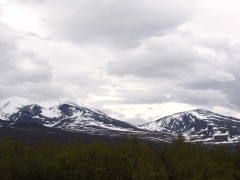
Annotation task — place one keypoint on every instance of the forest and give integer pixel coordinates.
(129, 159)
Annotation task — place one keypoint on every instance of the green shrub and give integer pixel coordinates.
(129, 159)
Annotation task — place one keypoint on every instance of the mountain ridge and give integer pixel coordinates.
(56, 113)
(196, 125)
(199, 124)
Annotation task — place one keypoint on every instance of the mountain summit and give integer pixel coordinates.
(198, 124)
(11, 105)
(59, 114)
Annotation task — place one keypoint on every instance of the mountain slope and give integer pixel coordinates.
(59, 114)
(198, 125)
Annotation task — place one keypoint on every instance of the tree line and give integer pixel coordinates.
(129, 159)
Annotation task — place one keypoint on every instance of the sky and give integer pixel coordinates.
(136, 60)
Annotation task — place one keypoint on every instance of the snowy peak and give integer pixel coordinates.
(196, 120)
(59, 114)
(199, 114)
(56, 104)
(14, 102)
(199, 125)
(12, 105)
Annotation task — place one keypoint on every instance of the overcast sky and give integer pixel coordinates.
(135, 60)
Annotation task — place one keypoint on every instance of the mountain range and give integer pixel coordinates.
(198, 125)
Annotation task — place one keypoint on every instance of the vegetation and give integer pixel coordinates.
(128, 159)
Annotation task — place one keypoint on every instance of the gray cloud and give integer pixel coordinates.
(6, 46)
(41, 92)
(161, 57)
(122, 23)
(181, 72)
(129, 52)
(36, 35)
(5, 53)
(27, 1)
(18, 68)
(26, 73)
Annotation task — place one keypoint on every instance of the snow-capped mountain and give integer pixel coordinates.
(59, 114)
(12, 105)
(198, 125)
